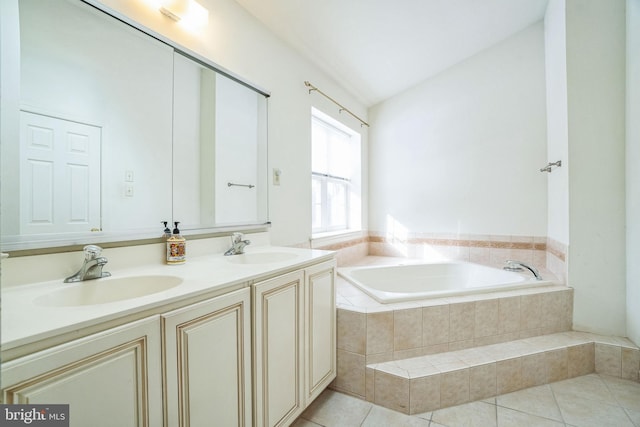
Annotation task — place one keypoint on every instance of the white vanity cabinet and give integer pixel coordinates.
(207, 362)
(320, 328)
(294, 341)
(255, 353)
(109, 378)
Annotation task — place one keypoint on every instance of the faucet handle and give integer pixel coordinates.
(236, 238)
(92, 252)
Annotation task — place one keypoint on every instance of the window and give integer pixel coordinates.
(335, 177)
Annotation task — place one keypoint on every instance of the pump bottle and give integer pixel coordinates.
(176, 247)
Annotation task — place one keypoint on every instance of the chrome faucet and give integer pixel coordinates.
(92, 266)
(513, 265)
(237, 245)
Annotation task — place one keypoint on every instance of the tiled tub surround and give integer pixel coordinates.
(542, 252)
(423, 355)
(370, 332)
(482, 249)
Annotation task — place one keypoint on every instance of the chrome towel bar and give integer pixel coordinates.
(231, 184)
(550, 166)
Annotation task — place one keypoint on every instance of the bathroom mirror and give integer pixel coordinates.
(111, 130)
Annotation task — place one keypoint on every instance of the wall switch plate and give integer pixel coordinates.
(128, 190)
(276, 176)
(128, 176)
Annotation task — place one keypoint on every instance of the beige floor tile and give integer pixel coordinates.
(512, 418)
(474, 414)
(424, 415)
(333, 409)
(590, 387)
(590, 413)
(626, 392)
(383, 417)
(301, 422)
(633, 415)
(536, 401)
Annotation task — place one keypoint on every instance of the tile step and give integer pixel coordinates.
(426, 383)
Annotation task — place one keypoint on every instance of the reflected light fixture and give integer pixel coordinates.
(189, 13)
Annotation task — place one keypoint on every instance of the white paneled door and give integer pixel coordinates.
(60, 175)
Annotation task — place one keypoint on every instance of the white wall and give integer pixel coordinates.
(557, 126)
(461, 152)
(595, 39)
(633, 170)
(9, 110)
(237, 41)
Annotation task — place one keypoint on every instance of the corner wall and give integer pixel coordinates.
(557, 126)
(633, 170)
(595, 55)
(460, 153)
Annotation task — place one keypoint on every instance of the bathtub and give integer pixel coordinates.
(409, 282)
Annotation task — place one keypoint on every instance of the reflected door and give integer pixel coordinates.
(60, 175)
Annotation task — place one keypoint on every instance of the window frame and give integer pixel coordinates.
(324, 179)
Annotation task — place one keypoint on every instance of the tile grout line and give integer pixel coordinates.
(366, 416)
(619, 404)
(555, 400)
(626, 411)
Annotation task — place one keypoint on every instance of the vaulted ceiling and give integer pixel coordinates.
(379, 48)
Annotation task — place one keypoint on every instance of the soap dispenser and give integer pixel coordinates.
(176, 247)
(166, 231)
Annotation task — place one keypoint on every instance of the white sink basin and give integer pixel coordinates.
(261, 257)
(106, 290)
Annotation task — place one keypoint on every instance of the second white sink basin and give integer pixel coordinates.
(107, 290)
(261, 257)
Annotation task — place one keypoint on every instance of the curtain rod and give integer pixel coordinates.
(342, 108)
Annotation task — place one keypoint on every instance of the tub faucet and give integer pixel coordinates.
(92, 266)
(513, 265)
(237, 245)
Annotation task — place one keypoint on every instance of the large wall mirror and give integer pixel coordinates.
(113, 130)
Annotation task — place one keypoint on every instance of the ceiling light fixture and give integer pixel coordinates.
(188, 12)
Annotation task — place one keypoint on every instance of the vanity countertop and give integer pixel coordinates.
(26, 319)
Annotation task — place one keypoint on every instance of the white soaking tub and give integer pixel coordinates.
(410, 282)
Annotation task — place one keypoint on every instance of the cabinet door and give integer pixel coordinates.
(320, 328)
(207, 351)
(108, 379)
(278, 347)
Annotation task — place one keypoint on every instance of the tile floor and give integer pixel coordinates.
(589, 401)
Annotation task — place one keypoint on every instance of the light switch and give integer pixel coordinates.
(128, 176)
(276, 176)
(128, 190)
